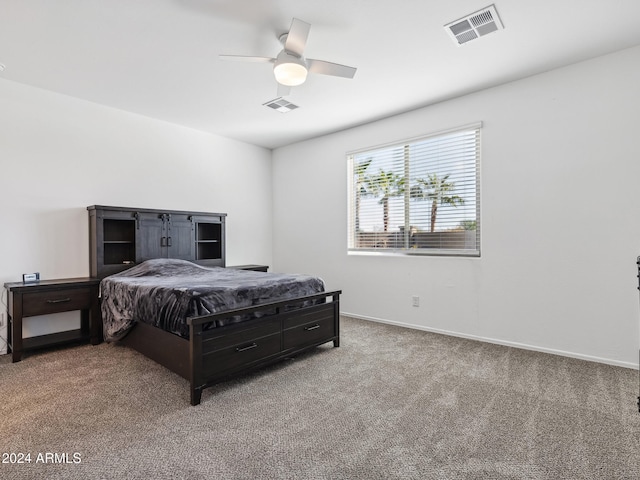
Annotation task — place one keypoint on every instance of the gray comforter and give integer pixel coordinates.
(165, 292)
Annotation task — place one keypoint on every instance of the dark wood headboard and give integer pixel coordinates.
(120, 237)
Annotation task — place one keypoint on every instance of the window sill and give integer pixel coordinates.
(415, 253)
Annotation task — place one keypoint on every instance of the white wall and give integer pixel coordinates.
(59, 155)
(560, 217)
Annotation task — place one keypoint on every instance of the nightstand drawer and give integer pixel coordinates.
(64, 300)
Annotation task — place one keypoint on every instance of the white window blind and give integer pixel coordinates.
(418, 197)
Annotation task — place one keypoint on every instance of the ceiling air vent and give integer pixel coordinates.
(280, 105)
(475, 25)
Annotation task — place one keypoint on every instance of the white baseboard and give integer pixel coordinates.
(522, 346)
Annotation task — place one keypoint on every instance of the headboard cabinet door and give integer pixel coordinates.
(152, 236)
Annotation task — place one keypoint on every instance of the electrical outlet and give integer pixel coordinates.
(415, 301)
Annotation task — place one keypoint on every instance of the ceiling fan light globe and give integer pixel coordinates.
(290, 74)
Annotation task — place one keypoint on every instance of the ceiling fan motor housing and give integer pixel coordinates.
(290, 69)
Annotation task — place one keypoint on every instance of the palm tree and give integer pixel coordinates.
(360, 171)
(436, 189)
(385, 185)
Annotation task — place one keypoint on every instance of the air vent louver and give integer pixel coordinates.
(475, 25)
(280, 105)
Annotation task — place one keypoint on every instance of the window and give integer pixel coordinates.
(417, 197)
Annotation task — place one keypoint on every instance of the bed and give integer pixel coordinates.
(204, 322)
(209, 323)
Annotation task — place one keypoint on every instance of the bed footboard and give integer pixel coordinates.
(220, 353)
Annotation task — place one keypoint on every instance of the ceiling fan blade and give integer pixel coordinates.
(328, 68)
(247, 58)
(297, 37)
(283, 90)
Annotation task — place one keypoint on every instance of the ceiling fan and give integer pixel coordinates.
(290, 67)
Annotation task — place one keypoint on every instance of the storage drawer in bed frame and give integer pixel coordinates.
(308, 328)
(225, 354)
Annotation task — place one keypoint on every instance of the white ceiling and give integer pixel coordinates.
(159, 58)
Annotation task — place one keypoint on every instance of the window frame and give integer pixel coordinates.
(406, 249)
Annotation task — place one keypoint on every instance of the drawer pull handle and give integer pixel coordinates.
(308, 329)
(248, 347)
(61, 300)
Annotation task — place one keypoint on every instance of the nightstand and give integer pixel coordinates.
(255, 268)
(53, 296)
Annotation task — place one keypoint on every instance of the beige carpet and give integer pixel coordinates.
(389, 403)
